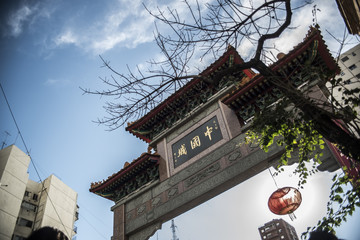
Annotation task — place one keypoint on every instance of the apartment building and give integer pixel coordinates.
(349, 63)
(278, 229)
(26, 205)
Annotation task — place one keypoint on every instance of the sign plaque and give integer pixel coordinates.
(196, 141)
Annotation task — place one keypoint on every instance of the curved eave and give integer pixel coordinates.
(123, 172)
(302, 47)
(137, 125)
(132, 128)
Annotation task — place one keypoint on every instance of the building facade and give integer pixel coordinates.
(26, 205)
(350, 12)
(278, 229)
(349, 63)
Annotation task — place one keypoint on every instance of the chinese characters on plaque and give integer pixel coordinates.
(197, 141)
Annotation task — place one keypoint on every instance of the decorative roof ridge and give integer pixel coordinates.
(230, 50)
(127, 167)
(313, 34)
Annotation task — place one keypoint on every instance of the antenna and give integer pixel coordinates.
(173, 226)
(4, 142)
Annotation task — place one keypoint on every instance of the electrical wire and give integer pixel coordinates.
(93, 215)
(82, 216)
(36, 170)
(273, 179)
(31, 159)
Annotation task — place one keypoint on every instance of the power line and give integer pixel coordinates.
(37, 172)
(31, 159)
(82, 216)
(93, 215)
(273, 178)
(4, 142)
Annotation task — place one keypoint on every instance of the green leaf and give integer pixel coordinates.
(339, 190)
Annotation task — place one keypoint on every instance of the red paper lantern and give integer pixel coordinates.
(285, 201)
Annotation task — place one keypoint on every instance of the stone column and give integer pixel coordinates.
(119, 223)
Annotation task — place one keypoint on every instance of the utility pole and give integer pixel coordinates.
(173, 230)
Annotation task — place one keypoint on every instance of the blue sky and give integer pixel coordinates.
(50, 48)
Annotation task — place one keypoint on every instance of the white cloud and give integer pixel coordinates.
(246, 49)
(57, 82)
(26, 17)
(127, 24)
(66, 37)
(301, 21)
(104, 44)
(18, 18)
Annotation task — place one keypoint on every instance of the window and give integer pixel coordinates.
(16, 237)
(352, 67)
(344, 59)
(27, 193)
(24, 222)
(353, 53)
(347, 81)
(35, 197)
(28, 206)
(358, 76)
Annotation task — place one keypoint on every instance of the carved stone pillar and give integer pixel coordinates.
(145, 233)
(119, 223)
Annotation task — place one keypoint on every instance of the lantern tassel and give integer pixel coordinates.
(292, 216)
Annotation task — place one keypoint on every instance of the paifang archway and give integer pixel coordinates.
(197, 134)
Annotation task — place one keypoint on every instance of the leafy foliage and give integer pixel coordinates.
(286, 128)
(285, 125)
(342, 203)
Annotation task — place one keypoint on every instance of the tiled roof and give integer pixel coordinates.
(312, 51)
(129, 171)
(144, 125)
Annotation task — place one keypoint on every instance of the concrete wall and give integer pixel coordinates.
(13, 172)
(346, 62)
(31, 198)
(349, 63)
(23, 200)
(58, 202)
